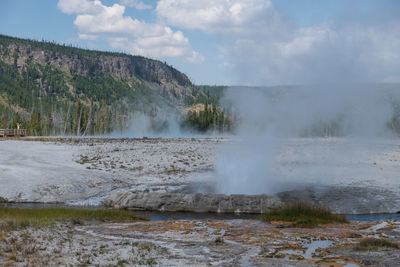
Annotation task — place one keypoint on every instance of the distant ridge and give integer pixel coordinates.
(60, 89)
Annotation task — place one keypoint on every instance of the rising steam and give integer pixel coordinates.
(270, 117)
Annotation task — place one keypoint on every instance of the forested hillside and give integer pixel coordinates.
(53, 89)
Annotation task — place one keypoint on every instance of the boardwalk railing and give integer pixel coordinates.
(12, 132)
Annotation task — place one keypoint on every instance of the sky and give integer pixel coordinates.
(228, 42)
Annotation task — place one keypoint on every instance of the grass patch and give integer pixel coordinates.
(303, 215)
(15, 218)
(375, 244)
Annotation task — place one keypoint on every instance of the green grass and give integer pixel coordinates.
(303, 215)
(375, 244)
(15, 218)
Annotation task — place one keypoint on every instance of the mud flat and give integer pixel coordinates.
(198, 243)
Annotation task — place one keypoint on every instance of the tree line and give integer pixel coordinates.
(211, 118)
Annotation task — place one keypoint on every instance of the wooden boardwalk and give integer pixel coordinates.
(12, 132)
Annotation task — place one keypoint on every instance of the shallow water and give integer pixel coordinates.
(164, 216)
(373, 217)
(310, 248)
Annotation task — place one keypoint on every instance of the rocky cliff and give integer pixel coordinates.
(164, 79)
(84, 91)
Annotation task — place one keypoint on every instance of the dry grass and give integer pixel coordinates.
(303, 215)
(15, 218)
(375, 244)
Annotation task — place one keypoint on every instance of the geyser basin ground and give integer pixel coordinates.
(84, 171)
(348, 175)
(196, 242)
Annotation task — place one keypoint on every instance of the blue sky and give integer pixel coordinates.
(254, 42)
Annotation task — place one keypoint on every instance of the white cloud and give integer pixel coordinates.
(97, 21)
(167, 44)
(195, 57)
(79, 6)
(267, 48)
(322, 53)
(136, 4)
(215, 16)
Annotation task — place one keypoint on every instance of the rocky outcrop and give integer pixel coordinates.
(341, 200)
(193, 202)
(347, 200)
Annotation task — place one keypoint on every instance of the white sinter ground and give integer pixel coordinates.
(86, 171)
(70, 171)
(341, 162)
